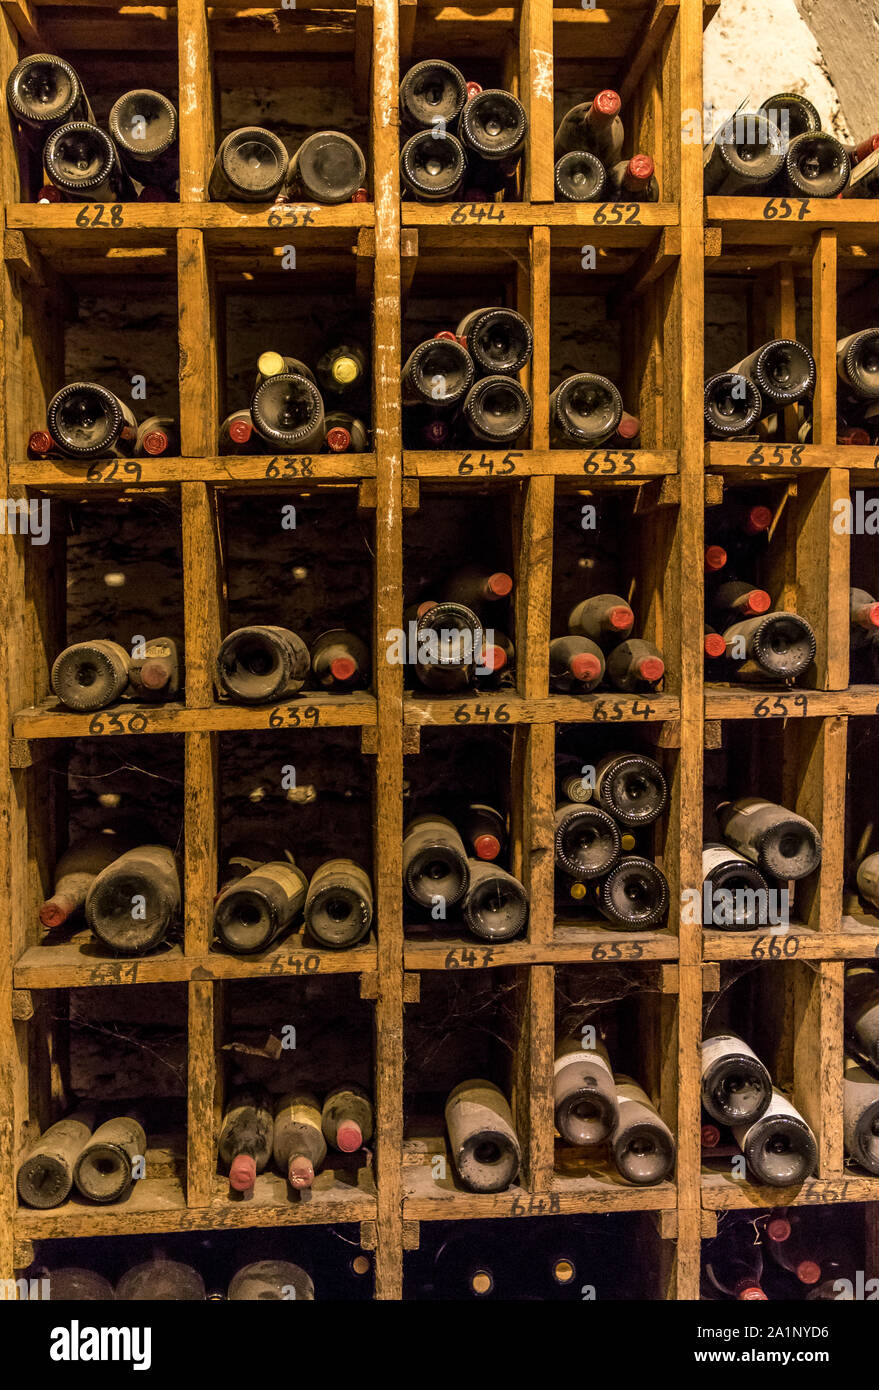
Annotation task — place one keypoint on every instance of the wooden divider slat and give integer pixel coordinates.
(535, 93)
(196, 111)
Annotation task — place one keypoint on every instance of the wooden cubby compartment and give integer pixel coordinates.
(849, 1226)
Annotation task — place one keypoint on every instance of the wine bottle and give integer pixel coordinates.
(236, 433)
(439, 372)
(773, 647)
(862, 1011)
(641, 1144)
(132, 904)
(792, 1248)
(574, 782)
(864, 618)
(81, 161)
(495, 906)
(143, 124)
(347, 1118)
(733, 890)
(161, 1281)
(605, 619)
(466, 1267)
(90, 675)
(587, 840)
(339, 660)
(484, 831)
(579, 177)
(449, 641)
(74, 1285)
(738, 597)
(45, 92)
(733, 1264)
(635, 665)
(783, 371)
(75, 872)
(715, 559)
(299, 1145)
(779, 1148)
(156, 436)
(88, 421)
(714, 647)
(631, 787)
(778, 841)
(338, 909)
(287, 411)
(45, 1176)
(868, 878)
(736, 1087)
(732, 405)
(496, 411)
(344, 433)
(861, 1116)
(272, 364)
(499, 340)
(816, 165)
(435, 864)
(493, 127)
(258, 664)
(246, 1134)
(154, 674)
(341, 369)
(328, 167)
(432, 95)
(432, 169)
(634, 894)
(576, 665)
(864, 179)
(267, 1281)
(745, 155)
(250, 167)
(584, 1094)
(475, 585)
(627, 431)
(104, 1168)
(857, 363)
(251, 912)
(594, 126)
(482, 1138)
(633, 181)
(585, 408)
(792, 113)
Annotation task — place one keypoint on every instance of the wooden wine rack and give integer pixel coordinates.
(651, 263)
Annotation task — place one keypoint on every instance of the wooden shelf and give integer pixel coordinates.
(590, 466)
(261, 471)
(312, 710)
(722, 1193)
(571, 943)
(490, 708)
(42, 221)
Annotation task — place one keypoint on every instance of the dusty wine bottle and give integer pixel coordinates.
(253, 911)
(732, 405)
(484, 830)
(587, 840)
(864, 179)
(432, 96)
(816, 165)
(579, 177)
(250, 167)
(738, 597)
(857, 363)
(161, 1281)
(496, 411)
(475, 586)
(482, 1138)
(132, 904)
(75, 872)
(288, 412)
(782, 370)
(868, 878)
(585, 408)
(347, 1118)
(734, 1264)
(584, 1094)
(341, 369)
(771, 647)
(246, 1134)
(633, 180)
(155, 436)
(862, 1010)
(299, 1145)
(449, 641)
(267, 1281)
(81, 161)
(863, 616)
(74, 1285)
(105, 1168)
(327, 168)
(90, 675)
(605, 619)
(594, 126)
(792, 113)
(778, 841)
(733, 890)
(44, 92)
(493, 127)
(432, 169)
(495, 906)
(45, 1177)
(258, 664)
(634, 894)
(236, 432)
(143, 124)
(736, 1087)
(435, 864)
(339, 660)
(499, 340)
(779, 1147)
(154, 672)
(861, 1116)
(642, 1145)
(635, 665)
(745, 154)
(344, 433)
(88, 421)
(576, 664)
(631, 787)
(439, 372)
(338, 908)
